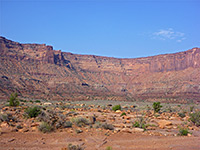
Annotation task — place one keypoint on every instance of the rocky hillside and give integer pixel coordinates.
(37, 71)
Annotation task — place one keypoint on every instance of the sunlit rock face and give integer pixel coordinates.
(37, 71)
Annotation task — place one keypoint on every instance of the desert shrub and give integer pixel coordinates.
(7, 118)
(151, 125)
(107, 126)
(191, 108)
(38, 101)
(74, 147)
(195, 118)
(68, 106)
(168, 109)
(14, 100)
(80, 121)
(45, 127)
(182, 115)
(43, 116)
(183, 131)
(116, 107)
(67, 124)
(32, 112)
(61, 116)
(136, 124)
(48, 116)
(4, 117)
(97, 124)
(63, 124)
(123, 114)
(157, 106)
(140, 123)
(21, 100)
(108, 148)
(148, 108)
(62, 107)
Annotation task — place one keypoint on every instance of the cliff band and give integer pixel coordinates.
(37, 71)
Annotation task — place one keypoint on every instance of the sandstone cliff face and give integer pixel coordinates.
(38, 71)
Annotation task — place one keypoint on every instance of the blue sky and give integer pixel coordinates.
(114, 28)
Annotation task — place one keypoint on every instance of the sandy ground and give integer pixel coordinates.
(95, 141)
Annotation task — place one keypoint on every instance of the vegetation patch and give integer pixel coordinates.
(80, 121)
(195, 118)
(183, 132)
(123, 114)
(116, 107)
(97, 124)
(107, 126)
(32, 112)
(14, 100)
(45, 127)
(140, 123)
(182, 115)
(7, 118)
(74, 147)
(157, 106)
(63, 124)
(108, 148)
(38, 101)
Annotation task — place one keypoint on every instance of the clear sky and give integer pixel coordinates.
(116, 28)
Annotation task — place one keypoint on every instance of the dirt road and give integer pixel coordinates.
(95, 140)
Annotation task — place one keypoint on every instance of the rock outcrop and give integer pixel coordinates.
(37, 71)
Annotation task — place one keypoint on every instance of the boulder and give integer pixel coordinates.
(138, 130)
(127, 130)
(163, 123)
(118, 111)
(47, 103)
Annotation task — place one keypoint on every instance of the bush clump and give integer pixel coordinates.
(123, 114)
(74, 147)
(67, 124)
(107, 126)
(97, 125)
(182, 115)
(14, 100)
(63, 124)
(108, 148)
(195, 118)
(7, 118)
(183, 132)
(45, 127)
(104, 126)
(32, 112)
(191, 108)
(48, 116)
(157, 106)
(116, 107)
(140, 123)
(80, 121)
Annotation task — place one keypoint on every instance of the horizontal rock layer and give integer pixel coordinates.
(37, 71)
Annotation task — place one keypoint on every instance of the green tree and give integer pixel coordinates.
(157, 106)
(14, 100)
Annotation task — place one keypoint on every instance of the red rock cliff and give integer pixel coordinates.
(38, 71)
